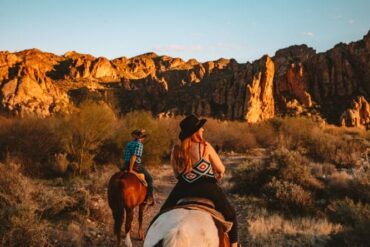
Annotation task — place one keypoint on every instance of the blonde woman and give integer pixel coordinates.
(197, 167)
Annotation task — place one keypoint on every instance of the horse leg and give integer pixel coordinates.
(141, 213)
(129, 218)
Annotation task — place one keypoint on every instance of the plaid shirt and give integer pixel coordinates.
(134, 147)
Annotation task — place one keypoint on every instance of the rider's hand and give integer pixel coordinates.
(131, 171)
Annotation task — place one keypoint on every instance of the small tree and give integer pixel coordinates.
(86, 130)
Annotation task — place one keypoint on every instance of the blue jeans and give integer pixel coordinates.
(140, 168)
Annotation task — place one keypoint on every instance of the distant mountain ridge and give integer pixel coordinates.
(296, 81)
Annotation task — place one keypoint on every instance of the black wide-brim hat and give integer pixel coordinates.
(190, 125)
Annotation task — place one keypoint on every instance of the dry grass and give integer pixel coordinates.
(275, 230)
(236, 136)
(19, 222)
(59, 212)
(355, 217)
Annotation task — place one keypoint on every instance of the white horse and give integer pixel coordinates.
(183, 228)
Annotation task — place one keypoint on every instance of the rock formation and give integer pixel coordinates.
(259, 101)
(296, 81)
(26, 87)
(357, 115)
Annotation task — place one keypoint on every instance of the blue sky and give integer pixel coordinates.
(200, 29)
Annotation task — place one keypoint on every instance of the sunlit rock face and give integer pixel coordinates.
(295, 81)
(259, 101)
(26, 88)
(357, 115)
(292, 79)
(325, 82)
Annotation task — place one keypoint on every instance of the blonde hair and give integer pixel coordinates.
(181, 159)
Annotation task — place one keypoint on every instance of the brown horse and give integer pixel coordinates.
(125, 192)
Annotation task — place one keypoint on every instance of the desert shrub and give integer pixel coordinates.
(59, 202)
(250, 178)
(340, 146)
(337, 184)
(341, 185)
(296, 132)
(359, 188)
(34, 141)
(295, 168)
(19, 222)
(230, 135)
(324, 143)
(266, 132)
(283, 179)
(287, 196)
(96, 185)
(292, 166)
(355, 217)
(342, 150)
(85, 131)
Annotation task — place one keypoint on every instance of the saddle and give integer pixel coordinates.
(140, 176)
(205, 205)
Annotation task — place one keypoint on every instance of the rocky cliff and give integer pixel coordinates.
(296, 81)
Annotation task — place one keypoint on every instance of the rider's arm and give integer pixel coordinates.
(217, 165)
(132, 162)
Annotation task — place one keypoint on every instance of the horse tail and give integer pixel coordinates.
(176, 237)
(115, 200)
(118, 216)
